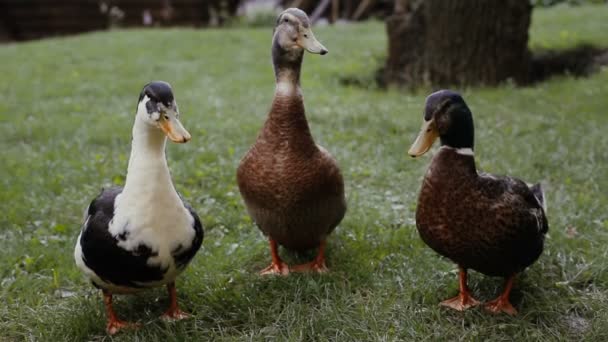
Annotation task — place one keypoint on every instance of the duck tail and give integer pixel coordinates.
(538, 192)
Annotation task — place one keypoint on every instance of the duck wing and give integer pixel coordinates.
(183, 256)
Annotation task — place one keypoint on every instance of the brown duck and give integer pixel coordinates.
(293, 188)
(494, 225)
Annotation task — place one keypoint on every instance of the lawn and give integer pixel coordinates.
(65, 122)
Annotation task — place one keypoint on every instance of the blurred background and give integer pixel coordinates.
(34, 19)
(430, 42)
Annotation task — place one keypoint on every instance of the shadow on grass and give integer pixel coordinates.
(580, 61)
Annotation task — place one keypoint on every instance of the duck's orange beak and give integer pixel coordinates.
(173, 128)
(427, 136)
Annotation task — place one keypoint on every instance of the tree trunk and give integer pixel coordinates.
(458, 42)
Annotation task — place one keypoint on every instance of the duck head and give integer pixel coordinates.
(158, 109)
(292, 35)
(448, 117)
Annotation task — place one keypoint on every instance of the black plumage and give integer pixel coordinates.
(157, 91)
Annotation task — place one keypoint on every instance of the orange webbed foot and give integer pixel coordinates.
(502, 304)
(499, 305)
(116, 325)
(313, 266)
(461, 302)
(317, 265)
(464, 300)
(173, 313)
(279, 268)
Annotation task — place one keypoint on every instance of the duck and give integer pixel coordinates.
(495, 225)
(142, 235)
(293, 188)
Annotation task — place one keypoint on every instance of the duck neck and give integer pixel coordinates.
(287, 118)
(147, 164)
(287, 66)
(460, 133)
(288, 82)
(454, 162)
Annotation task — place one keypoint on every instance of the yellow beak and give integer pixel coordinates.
(427, 136)
(173, 128)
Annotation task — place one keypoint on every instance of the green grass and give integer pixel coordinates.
(65, 120)
(563, 26)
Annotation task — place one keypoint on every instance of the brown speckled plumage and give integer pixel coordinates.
(293, 188)
(494, 225)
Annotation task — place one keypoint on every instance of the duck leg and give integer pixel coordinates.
(114, 324)
(277, 266)
(464, 300)
(502, 304)
(317, 265)
(173, 313)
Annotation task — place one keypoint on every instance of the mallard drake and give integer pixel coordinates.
(292, 187)
(495, 225)
(142, 235)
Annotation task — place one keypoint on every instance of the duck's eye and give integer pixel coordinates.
(286, 20)
(166, 117)
(305, 35)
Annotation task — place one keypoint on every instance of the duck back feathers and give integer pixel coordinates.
(494, 225)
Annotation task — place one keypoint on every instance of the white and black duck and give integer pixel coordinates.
(142, 235)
